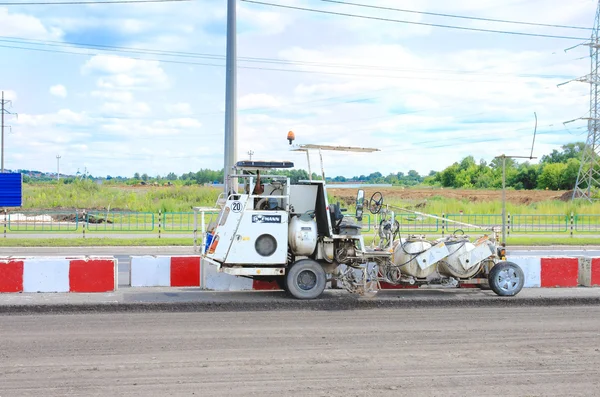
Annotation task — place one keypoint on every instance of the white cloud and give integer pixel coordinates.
(253, 101)
(130, 109)
(113, 95)
(26, 26)
(116, 72)
(58, 90)
(180, 109)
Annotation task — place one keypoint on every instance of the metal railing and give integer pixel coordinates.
(43, 221)
(539, 223)
(183, 222)
(410, 223)
(117, 221)
(484, 220)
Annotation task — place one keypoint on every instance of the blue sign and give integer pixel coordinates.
(11, 190)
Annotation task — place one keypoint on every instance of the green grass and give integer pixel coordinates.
(189, 242)
(96, 242)
(88, 195)
(547, 241)
(438, 205)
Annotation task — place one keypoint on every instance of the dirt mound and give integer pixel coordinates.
(398, 193)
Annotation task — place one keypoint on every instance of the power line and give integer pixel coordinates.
(456, 16)
(280, 69)
(62, 3)
(53, 43)
(413, 22)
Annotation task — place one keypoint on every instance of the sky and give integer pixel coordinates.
(116, 89)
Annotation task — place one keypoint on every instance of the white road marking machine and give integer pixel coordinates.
(290, 233)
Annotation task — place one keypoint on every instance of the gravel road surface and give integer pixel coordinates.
(521, 351)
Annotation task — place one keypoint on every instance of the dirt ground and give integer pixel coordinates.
(398, 193)
(531, 351)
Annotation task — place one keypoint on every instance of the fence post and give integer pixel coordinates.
(443, 223)
(5, 215)
(159, 221)
(84, 223)
(196, 231)
(572, 223)
(508, 225)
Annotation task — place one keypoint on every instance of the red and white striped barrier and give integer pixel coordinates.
(165, 271)
(58, 274)
(539, 272)
(551, 272)
(589, 272)
(187, 271)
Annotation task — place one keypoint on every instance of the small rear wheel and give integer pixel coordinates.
(306, 279)
(506, 279)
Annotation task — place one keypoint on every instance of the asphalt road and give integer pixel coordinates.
(526, 351)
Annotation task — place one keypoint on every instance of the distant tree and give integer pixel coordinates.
(552, 176)
(136, 175)
(145, 177)
(569, 151)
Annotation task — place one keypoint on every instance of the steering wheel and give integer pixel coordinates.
(376, 202)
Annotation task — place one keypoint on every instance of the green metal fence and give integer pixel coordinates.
(587, 223)
(183, 222)
(417, 223)
(484, 220)
(178, 221)
(117, 221)
(539, 223)
(43, 221)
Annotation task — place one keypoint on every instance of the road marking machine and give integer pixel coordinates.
(271, 229)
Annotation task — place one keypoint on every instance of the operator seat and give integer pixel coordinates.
(341, 225)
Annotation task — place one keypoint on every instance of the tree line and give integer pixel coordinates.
(557, 171)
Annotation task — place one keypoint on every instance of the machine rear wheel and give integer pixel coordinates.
(306, 279)
(506, 279)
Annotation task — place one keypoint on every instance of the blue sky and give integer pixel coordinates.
(426, 96)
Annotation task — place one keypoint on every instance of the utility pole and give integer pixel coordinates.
(3, 111)
(504, 157)
(589, 169)
(250, 153)
(58, 167)
(231, 101)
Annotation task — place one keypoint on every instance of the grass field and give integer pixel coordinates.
(188, 242)
(89, 196)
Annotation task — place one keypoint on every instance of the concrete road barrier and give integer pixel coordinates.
(540, 272)
(165, 271)
(550, 272)
(58, 274)
(99, 274)
(589, 271)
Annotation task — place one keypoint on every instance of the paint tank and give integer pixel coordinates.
(452, 266)
(405, 252)
(302, 235)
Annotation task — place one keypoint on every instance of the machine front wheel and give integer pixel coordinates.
(306, 279)
(506, 279)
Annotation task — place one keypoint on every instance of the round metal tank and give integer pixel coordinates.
(451, 266)
(302, 235)
(404, 253)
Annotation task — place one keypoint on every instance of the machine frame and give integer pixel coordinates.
(299, 239)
